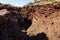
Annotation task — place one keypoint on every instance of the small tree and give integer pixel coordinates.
(36, 0)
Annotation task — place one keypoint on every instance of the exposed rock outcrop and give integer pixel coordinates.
(31, 22)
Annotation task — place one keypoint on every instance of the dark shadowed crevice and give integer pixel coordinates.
(12, 28)
(39, 36)
(28, 23)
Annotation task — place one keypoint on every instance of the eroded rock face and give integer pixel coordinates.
(36, 22)
(46, 19)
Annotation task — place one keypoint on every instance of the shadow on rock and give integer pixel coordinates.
(39, 36)
(11, 27)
